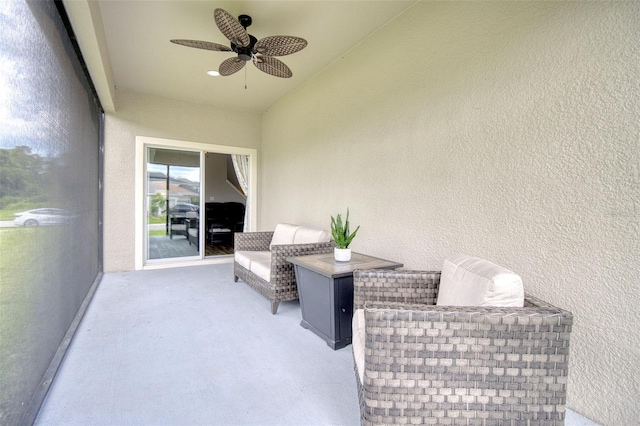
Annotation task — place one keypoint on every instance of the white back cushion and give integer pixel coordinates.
(310, 235)
(283, 234)
(471, 281)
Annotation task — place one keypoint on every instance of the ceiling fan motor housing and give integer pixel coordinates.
(245, 53)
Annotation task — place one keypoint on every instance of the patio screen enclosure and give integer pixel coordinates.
(50, 180)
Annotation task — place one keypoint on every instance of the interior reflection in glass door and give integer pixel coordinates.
(173, 203)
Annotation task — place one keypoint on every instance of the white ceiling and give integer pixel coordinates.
(141, 58)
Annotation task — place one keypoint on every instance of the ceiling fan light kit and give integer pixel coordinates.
(247, 47)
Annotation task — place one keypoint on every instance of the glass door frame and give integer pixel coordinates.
(143, 143)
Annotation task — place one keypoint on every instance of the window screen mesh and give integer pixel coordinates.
(50, 127)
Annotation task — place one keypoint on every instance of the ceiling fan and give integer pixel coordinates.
(260, 52)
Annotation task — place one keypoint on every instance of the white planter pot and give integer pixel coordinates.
(342, 255)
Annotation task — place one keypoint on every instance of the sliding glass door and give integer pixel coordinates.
(191, 198)
(172, 204)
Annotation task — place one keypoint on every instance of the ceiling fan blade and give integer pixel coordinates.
(280, 45)
(231, 28)
(272, 66)
(231, 66)
(206, 45)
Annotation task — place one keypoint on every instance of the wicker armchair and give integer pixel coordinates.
(177, 226)
(282, 285)
(439, 365)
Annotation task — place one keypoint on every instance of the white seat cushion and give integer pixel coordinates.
(471, 281)
(283, 234)
(310, 236)
(357, 341)
(244, 258)
(262, 268)
(217, 230)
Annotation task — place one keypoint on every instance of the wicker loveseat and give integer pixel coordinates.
(260, 259)
(418, 363)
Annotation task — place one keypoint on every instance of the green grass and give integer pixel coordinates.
(36, 290)
(158, 219)
(9, 212)
(157, 233)
(24, 260)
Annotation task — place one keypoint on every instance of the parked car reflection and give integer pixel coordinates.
(42, 217)
(183, 208)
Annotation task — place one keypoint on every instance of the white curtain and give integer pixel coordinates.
(241, 167)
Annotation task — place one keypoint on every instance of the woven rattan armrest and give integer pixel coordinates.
(279, 254)
(430, 364)
(252, 241)
(379, 285)
(534, 308)
(282, 251)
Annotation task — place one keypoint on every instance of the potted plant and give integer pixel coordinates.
(342, 236)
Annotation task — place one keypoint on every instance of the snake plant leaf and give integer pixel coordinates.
(341, 232)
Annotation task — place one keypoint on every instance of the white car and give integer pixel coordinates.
(42, 217)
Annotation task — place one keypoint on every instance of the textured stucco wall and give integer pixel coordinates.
(143, 115)
(507, 130)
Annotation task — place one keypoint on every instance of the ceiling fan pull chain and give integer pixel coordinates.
(245, 78)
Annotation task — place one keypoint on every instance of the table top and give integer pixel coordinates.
(325, 264)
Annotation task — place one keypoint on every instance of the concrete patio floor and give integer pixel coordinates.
(188, 346)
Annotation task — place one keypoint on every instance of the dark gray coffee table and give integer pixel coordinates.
(325, 289)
